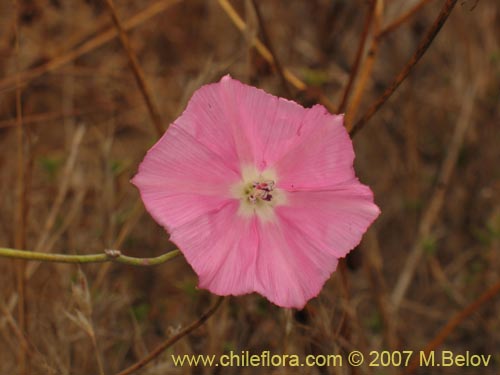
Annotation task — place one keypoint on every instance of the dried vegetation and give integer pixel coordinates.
(74, 125)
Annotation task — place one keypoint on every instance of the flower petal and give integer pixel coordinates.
(333, 221)
(246, 125)
(180, 179)
(271, 125)
(212, 118)
(221, 247)
(323, 159)
(290, 270)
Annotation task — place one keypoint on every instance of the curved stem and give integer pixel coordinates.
(107, 256)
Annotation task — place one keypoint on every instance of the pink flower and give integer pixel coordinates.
(258, 192)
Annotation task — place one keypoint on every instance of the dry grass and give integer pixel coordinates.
(430, 154)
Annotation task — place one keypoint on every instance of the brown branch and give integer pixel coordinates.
(433, 209)
(266, 54)
(402, 19)
(136, 69)
(172, 340)
(17, 332)
(21, 209)
(88, 46)
(344, 329)
(374, 268)
(267, 42)
(37, 118)
(58, 199)
(453, 323)
(357, 59)
(422, 48)
(367, 67)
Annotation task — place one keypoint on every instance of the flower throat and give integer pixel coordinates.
(260, 191)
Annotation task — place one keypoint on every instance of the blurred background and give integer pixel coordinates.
(74, 126)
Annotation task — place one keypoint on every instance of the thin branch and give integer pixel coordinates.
(367, 68)
(21, 208)
(357, 60)
(374, 268)
(402, 19)
(108, 256)
(137, 211)
(268, 43)
(17, 332)
(454, 322)
(433, 209)
(20, 219)
(259, 46)
(422, 48)
(97, 353)
(62, 191)
(267, 55)
(64, 183)
(172, 340)
(88, 46)
(136, 69)
(38, 117)
(345, 326)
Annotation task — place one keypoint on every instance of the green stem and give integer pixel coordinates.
(107, 256)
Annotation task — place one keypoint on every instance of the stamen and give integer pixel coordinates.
(260, 191)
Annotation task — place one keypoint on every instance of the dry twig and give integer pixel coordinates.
(64, 184)
(136, 69)
(357, 60)
(267, 42)
(374, 268)
(422, 48)
(59, 199)
(15, 328)
(88, 46)
(454, 322)
(267, 55)
(402, 19)
(432, 211)
(367, 67)
(172, 340)
(21, 209)
(135, 215)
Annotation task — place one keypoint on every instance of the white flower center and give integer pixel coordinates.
(258, 193)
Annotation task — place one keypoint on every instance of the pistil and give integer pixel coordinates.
(261, 191)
